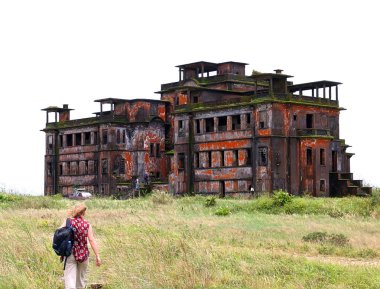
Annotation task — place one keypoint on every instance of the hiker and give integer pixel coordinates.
(146, 179)
(77, 263)
(137, 184)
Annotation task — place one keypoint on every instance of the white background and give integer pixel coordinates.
(73, 52)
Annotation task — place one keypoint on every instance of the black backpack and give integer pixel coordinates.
(63, 241)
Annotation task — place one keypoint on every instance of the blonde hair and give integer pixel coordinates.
(78, 210)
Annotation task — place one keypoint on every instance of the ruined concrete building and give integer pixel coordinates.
(214, 131)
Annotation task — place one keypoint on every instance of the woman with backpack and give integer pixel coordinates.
(77, 263)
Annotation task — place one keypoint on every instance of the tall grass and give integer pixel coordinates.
(161, 242)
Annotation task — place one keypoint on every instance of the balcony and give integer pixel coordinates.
(313, 132)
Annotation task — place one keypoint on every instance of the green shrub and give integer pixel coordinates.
(315, 237)
(210, 202)
(281, 198)
(338, 240)
(223, 211)
(6, 198)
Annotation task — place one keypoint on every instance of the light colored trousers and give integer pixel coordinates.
(75, 273)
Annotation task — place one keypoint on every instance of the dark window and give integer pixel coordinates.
(322, 157)
(158, 150)
(222, 123)
(151, 153)
(78, 139)
(249, 157)
(195, 99)
(196, 160)
(309, 121)
(60, 169)
(117, 136)
(123, 136)
(85, 167)
(49, 169)
(87, 138)
(309, 156)
(263, 156)
(119, 166)
(181, 161)
(262, 119)
(50, 142)
(197, 126)
(181, 129)
(248, 119)
(294, 117)
(104, 166)
(322, 185)
(176, 100)
(209, 155)
(209, 124)
(235, 157)
(105, 137)
(222, 159)
(69, 140)
(235, 122)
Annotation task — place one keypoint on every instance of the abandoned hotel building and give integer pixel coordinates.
(214, 131)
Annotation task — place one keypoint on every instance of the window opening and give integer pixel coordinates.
(151, 153)
(50, 142)
(209, 125)
(60, 169)
(309, 156)
(322, 185)
(248, 120)
(235, 122)
(104, 166)
(222, 159)
(87, 138)
(196, 160)
(105, 136)
(157, 150)
(197, 126)
(263, 156)
(249, 157)
(86, 167)
(181, 131)
(69, 140)
(309, 121)
(222, 123)
(49, 169)
(117, 136)
(209, 159)
(262, 119)
(78, 139)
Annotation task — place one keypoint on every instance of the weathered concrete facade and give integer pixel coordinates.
(107, 152)
(215, 131)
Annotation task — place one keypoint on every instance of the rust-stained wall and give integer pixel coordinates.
(220, 134)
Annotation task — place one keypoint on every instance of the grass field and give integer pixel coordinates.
(161, 242)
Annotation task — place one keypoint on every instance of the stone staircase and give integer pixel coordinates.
(343, 184)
